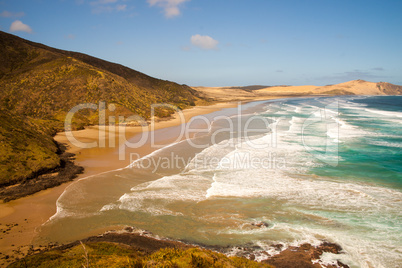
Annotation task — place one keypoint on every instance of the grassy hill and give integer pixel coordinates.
(131, 249)
(40, 84)
(102, 254)
(44, 82)
(26, 148)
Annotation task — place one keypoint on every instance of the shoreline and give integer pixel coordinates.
(20, 218)
(66, 171)
(25, 215)
(144, 242)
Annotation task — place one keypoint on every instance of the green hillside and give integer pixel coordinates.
(26, 148)
(109, 255)
(40, 84)
(43, 82)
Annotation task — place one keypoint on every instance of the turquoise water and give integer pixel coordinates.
(370, 133)
(374, 155)
(312, 169)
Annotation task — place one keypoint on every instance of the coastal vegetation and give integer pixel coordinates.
(44, 82)
(39, 85)
(30, 160)
(105, 254)
(129, 250)
(26, 148)
(132, 249)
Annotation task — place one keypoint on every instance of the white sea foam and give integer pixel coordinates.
(363, 218)
(291, 108)
(154, 197)
(154, 153)
(296, 124)
(344, 130)
(391, 114)
(327, 120)
(386, 144)
(315, 194)
(331, 259)
(359, 249)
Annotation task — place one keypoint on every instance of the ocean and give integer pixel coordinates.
(288, 171)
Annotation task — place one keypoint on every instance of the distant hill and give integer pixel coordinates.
(355, 87)
(40, 84)
(249, 88)
(389, 89)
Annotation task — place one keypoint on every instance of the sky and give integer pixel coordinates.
(224, 43)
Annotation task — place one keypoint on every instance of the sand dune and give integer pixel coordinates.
(354, 87)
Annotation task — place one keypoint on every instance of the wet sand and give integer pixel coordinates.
(19, 219)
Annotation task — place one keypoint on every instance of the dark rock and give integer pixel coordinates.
(129, 229)
(277, 246)
(340, 264)
(260, 224)
(303, 255)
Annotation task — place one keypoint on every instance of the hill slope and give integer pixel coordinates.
(40, 84)
(44, 82)
(26, 148)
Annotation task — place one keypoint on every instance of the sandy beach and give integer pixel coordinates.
(257, 135)
(20, 218)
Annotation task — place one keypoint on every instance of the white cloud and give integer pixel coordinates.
(121, 7)
(19, 26)
(7, 14)
(70, 36)
(204, 42)
(105, 2)
(170, 7)
(101, 6)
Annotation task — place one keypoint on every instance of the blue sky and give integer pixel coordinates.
(224, 43)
